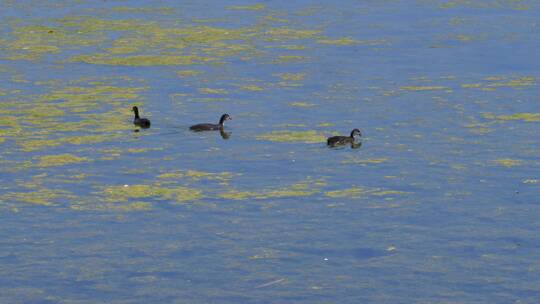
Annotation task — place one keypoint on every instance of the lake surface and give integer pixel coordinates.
(439, 204)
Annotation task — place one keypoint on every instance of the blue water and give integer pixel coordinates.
(438, 205)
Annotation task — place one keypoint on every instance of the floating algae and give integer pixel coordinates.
(291, 76)
(223, 178)
(300, 104)
(340, 41)
(293, 136)
(526, 117)
(124, 193)
(507, 162)
(355, 192)
(365, 161)
(69, 114)
(254, 7)
(42, 196)
(422, 88)
(307, 187)
(60, 160)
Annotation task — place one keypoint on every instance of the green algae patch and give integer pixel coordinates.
(129, 207)
(156, 10)
(340, 41)
(32, 42)
(252, 88)
(194, 175)
(141, 60)
(126, 192)
(490, 4)
(254, 7)
(422, 88)
(507, 162)
(60, 160)
(356, 192)
(519, 82)
(494, 82)
(87, 111)
(42, 196)
(212, 91)
(301, 104)
(291, 76)
(171, 175)
(304, 188)
(40, 144)
(526, 117)
(346, 193)
(293, 47)
(371, 161)
(288, 58)
(293, 136)
(388, 192)
(286, 33)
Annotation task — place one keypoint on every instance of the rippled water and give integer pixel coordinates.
(438, 205)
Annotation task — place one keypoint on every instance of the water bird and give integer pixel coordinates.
(138, 121)
(210, 126)
(343, 140)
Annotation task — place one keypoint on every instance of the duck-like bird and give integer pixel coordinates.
(138, 121)
(343, 140)
(211, 126)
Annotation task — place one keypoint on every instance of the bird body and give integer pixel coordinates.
(343, 140)
(211, 126)
(138, 121)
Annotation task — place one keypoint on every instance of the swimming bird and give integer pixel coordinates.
(138, 121)
(210, 126)
(342, 140)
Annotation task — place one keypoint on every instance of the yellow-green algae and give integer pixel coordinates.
(41, 196)
(127, 9)
(253, 7)
(293, 136)
(300, 104)
(422, 88)
(124, 193)
(527, 117)
(487, 4)
(60, 160)
(307, 187)
(287, 58)
(223, 178)
(365, 161)
(212, 91)
(138, 42)
(351, 193)
(291, 76)
(494, 82)
(69, 114)
(252, 87)
(508, 162)
(340, 41)
(355, 192)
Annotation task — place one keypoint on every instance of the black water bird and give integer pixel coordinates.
(343, 140)
(210, 126)
(138, 121)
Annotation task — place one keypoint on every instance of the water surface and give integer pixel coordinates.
(439, 204)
